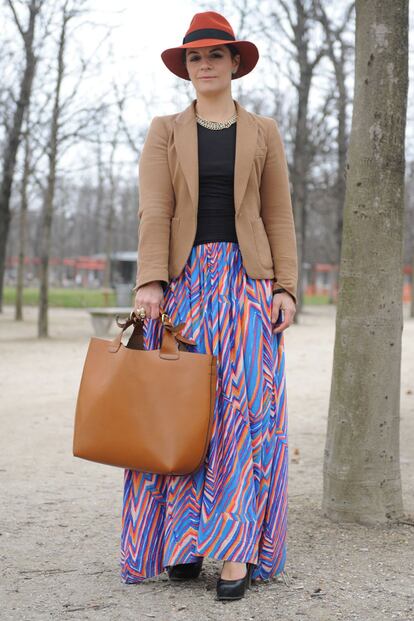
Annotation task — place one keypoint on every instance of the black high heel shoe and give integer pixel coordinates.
(235, 589)
(185, 571)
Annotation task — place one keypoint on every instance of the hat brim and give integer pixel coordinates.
(249, 55)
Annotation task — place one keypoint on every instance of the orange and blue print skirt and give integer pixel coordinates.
(234, 507)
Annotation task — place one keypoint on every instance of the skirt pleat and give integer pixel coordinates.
(234, 507)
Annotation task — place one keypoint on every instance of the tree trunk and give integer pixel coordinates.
(109, 227)
(337, 51)
(109, 234)
(412, 286)
(305, 52)
(99, 200)
(47, 212)
(361, 471)
(109, 230)
(14, 135)
(304, 15)
(23, 227)
(300, 173)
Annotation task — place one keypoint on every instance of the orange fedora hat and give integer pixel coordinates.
(210, 28)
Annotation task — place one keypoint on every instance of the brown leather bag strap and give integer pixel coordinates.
(169, 346)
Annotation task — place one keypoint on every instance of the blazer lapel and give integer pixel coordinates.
(246, 139)
(185, 138)
(186, 144)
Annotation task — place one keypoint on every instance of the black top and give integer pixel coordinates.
(216, 154)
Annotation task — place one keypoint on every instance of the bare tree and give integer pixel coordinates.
(295, 22)
(338, 50)
(23, 221)
(99, 197)
(362, 471)
(409, 238)
(50, 189)
(13, 132)
(412, 286)
(78, 123)
(110, 220)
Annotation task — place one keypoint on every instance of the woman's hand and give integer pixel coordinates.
(149, 296)
(283, 302)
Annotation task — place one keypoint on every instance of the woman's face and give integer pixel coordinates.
(210, 68)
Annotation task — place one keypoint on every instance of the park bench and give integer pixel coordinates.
(103, 317)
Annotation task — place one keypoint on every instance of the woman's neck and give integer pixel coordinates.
(215, 108)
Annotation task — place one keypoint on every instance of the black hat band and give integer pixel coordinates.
(208, 33)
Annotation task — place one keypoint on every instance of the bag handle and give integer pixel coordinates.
(170, 337)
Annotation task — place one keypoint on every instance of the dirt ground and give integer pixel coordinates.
(60, 516)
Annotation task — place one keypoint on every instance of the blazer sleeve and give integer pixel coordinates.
(156, 206)
(277, 212)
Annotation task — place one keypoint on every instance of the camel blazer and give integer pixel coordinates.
(168, 199)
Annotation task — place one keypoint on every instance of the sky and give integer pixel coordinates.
(138, 32)
(142, 29)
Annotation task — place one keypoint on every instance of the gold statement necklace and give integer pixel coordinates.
(216, 124)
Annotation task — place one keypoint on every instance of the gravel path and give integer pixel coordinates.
(60, 515)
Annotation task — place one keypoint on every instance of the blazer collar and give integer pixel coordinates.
(185, 138)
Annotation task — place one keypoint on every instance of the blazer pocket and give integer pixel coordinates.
(262, 242)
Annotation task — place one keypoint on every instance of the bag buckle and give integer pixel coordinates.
(163, 316)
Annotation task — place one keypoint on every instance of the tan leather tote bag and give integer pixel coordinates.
(147, 410)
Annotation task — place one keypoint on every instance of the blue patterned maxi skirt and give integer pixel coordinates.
(234, 507)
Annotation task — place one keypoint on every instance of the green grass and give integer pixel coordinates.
(316, 299)
(81, 298)
(66, 298)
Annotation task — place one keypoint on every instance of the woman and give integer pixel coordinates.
(217, 250)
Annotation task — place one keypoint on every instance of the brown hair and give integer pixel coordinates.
(233, 51)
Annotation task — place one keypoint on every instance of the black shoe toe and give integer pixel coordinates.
(185, 571)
